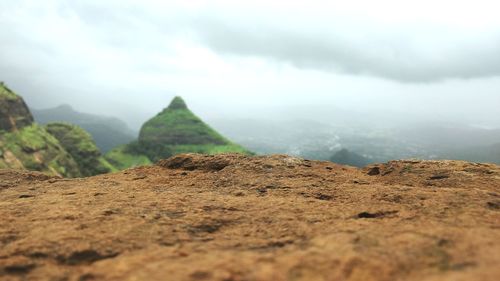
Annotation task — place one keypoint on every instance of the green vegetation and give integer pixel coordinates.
(177, 125)
(121, 158)
(81, 147)
(105, 163)
(57, 149)
(7, 93)
(33, 148)
(173, 131)
(70, 151)
(25, 145)
(209, 149)
(177, 130)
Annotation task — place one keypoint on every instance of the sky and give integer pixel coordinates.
(256, 59)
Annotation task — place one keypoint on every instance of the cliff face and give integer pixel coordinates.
(233, 217)
(14, 114)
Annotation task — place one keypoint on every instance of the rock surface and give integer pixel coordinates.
(233, 217)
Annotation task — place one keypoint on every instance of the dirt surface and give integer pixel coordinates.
(233, 218)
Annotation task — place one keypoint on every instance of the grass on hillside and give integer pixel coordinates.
(209, 149)
(38, 150)
(121, 159)
(81, 146)
(179, 126)
(73, 137)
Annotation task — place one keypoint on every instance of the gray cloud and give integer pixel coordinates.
(399, 57)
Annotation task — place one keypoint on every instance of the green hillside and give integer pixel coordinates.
(173, 131)
(70, 151)
(81, 147)
(177, 130)
(26, 145)
(33, 148)
(122, 158)
(177, 125)
(56, 149)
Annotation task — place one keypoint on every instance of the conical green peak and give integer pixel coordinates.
(177, 103)
(178, 130)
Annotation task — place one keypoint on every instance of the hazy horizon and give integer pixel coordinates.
(411, 61)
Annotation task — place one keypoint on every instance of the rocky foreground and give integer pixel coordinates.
(232, 217)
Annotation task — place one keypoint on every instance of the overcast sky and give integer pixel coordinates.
(249, 58)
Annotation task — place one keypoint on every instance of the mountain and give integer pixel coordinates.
(346, 157)
(177, 130)
(81, 147)
(107, 132)
(27, 145)
(267, 218)
(173, 131)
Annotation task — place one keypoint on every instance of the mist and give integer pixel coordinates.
(389, 65)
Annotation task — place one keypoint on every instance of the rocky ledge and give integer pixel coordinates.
(233, 217)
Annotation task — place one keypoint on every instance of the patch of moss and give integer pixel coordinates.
(33, 148)
(81, 147)
(121, 158)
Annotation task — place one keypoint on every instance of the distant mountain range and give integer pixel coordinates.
(64, 147)
(108, 132)
(302, 137)
(73, 143)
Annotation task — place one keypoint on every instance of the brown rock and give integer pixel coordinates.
(233, 217)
